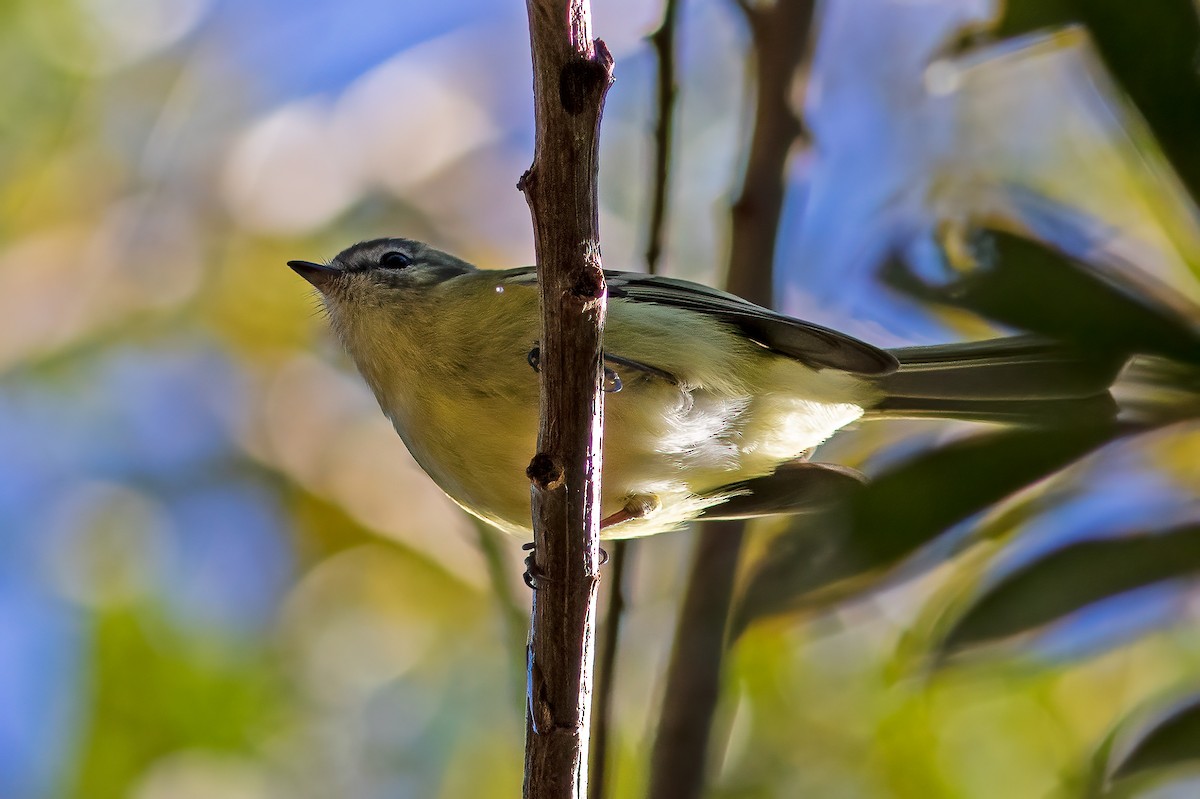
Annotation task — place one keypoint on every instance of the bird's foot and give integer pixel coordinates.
(638, 506)
(533, 575)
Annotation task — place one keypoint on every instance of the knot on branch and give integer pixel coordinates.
(544, 473)
(583, 81)
(541, 711)
(589, 284)
(526, 180)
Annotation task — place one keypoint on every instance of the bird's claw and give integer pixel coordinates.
(534, 575)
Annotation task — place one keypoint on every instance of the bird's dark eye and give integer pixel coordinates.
(395, 260)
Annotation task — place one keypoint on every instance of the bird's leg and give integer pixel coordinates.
(612, 381)
(533, 575)
(638, 506)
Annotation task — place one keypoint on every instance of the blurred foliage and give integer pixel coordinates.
(1070, 287)
(1168, 743)
(183, 698)
(1069, 579)
(1152, 55)
(222, 575)
(832, 556)
(1030, 287)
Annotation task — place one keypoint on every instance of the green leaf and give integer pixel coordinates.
(1151, 50)
(1173, 740)
(1032, 287)
(155, 692)
(829, 556)
(1069, 579)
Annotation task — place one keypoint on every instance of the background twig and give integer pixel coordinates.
(780, 34)
(571, 75)
(663, 41)
(606, 666)
(511, 608)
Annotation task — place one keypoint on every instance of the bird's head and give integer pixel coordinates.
(378, 296)
(380, 271)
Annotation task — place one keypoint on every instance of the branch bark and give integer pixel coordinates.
(571, 75)
(780, 32)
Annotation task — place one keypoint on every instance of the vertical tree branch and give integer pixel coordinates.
(511, 609)
(663, 41)
(571, 75)
(606, 667)
(780, 33)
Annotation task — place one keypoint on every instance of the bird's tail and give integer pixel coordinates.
(1016, 380)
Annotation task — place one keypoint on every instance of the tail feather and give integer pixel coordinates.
(1040, 413)
(1016, 380)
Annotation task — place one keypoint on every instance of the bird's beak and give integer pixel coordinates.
(318, 274)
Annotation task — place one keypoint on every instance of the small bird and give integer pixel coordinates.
(714, 403)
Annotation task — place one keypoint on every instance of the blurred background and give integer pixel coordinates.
(221, 575)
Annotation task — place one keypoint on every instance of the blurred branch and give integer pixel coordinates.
(511, 613)
(780, 33)
(678, 761)
(606, 667)
(571, 75)
(663, 41)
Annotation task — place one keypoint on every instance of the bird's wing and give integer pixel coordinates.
(810, 344)
(795, 487)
